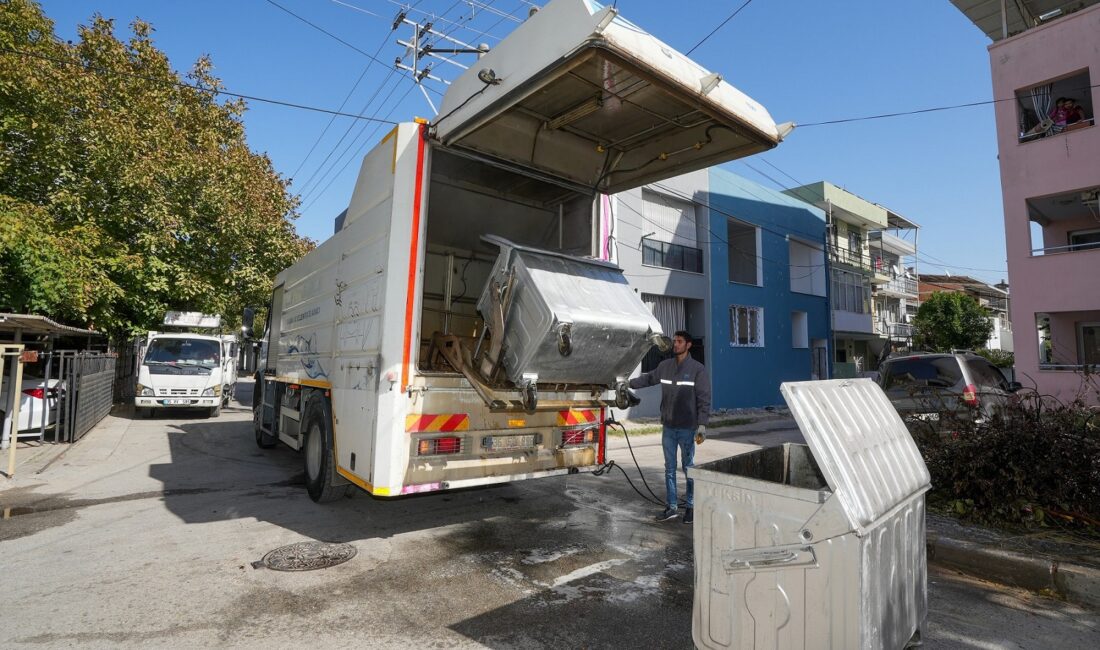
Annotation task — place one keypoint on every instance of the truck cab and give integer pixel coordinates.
(184, 370)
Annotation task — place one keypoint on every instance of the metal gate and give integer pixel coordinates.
(90, 383)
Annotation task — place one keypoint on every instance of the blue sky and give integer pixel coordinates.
(805, 60)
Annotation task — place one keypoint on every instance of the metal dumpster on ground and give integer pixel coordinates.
(818, 545)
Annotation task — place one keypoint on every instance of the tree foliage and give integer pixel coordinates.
(122, 193)
(951, 320)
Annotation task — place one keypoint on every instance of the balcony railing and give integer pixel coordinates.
(851, 258)
(1057, 250)
(907, 286)
(997, 304)
(893, 330)
(1071, 367)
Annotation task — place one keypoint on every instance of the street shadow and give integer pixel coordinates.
(216, 472)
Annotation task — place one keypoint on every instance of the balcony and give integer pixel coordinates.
(993, 303)
(893, 330)
(855, 259)
(900, 287)
(892, 243)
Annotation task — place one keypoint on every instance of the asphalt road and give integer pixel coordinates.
(144, 534)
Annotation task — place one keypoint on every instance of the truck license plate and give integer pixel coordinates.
(513, 442)
(177, 401)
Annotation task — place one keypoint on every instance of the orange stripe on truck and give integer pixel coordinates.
(572, 418)
(437, 423)
(414, 251)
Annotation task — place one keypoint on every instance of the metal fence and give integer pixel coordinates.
(70, 392)
(92, 381)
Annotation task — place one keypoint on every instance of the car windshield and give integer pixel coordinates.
(917, 372)
(183, 352)
(986, 374)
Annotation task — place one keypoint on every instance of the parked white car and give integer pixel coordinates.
(38, 398)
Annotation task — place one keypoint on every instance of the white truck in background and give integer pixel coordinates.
(464, 327)
(186, 370)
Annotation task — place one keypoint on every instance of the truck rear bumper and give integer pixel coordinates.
(487, 480)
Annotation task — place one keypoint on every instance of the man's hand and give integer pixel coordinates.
(700, 434)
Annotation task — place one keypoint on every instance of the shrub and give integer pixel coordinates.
(999, 358)
(1033, 464)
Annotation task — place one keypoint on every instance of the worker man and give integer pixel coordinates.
(685, 410)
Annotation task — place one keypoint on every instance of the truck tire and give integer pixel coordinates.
(215, 411)
(317, 455)
(263, 440)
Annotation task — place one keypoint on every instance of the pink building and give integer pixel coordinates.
(1043, 51)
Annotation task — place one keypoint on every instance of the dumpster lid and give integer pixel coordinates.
(862, 447)
(580, 93)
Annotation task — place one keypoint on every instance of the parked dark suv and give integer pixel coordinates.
(942, 390)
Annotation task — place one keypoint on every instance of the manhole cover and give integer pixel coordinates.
(307, 556)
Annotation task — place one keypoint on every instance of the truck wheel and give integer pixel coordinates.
(263, 440)
(320, 465)
(215, 411)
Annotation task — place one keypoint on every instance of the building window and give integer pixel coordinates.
(800, 330)
(850, 292)
(1083, 240)
(671, 256)
(746, 327)
(1042, 110)
(807, 268)
(744, 254)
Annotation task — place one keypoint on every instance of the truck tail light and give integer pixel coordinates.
(578, 436)
(970, 396)
(436, 446)
(36, 393)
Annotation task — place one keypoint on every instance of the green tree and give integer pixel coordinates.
(951, 320)
(122, 192)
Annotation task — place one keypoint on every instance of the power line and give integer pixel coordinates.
(720, 26)
(325, 32)
(926, 110)
(362, 75)
(305, 187)
(183, 84)
(333, 176)
(318, 170)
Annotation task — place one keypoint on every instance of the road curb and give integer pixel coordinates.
(1076, 583)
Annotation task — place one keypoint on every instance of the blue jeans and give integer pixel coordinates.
(685, 440)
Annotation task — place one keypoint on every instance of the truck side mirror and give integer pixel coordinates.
(247, 322)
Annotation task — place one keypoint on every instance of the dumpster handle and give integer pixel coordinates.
(770, 558)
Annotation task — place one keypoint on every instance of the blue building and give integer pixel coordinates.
(739, 266)
(768, 292)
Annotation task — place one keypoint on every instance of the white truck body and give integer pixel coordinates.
(575, 102)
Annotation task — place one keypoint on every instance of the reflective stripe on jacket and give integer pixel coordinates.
(685, 392)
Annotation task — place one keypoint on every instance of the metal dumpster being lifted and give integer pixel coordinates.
(818, 545)
(558, 319)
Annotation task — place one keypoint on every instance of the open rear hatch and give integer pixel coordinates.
(581, 95)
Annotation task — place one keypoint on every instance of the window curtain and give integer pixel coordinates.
(1040, 100)
(668, 311)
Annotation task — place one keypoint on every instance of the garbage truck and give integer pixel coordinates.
(184, 369)
(464, 326)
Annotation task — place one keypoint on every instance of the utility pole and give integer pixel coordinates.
(421, 50)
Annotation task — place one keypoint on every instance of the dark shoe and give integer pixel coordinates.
(669, 513)
(689, 515)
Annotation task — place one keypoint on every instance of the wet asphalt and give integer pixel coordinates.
(146, 533)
